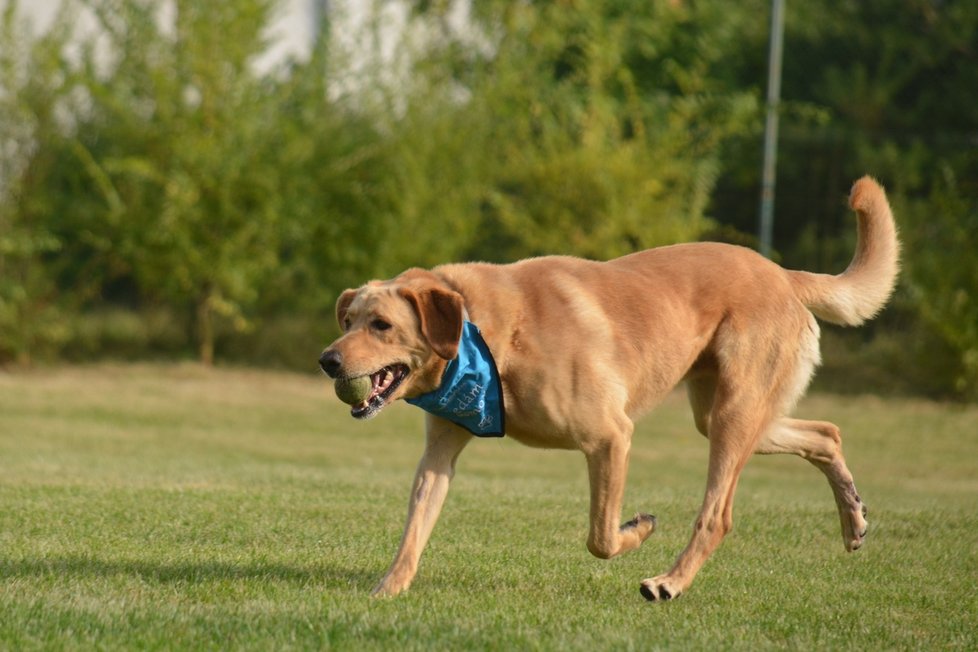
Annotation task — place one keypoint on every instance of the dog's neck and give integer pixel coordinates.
(470, 392)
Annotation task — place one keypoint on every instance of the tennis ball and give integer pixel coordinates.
(353, 391)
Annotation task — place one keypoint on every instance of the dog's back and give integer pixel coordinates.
(643, 321)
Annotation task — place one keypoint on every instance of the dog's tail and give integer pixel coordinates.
(857, 294)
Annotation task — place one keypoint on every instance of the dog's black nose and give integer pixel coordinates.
(331, 361)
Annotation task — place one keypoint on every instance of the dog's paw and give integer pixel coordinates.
(855, 526)
(642, 524)
(660, 589)
(381, 591)
(388, 588)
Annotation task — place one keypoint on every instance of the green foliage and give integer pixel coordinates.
(179, 176)
(941, 232)
(881, 88)
(896, 76)
(176, 144)
(183, 178)
(150, 167)
(29, 90)
(582, 152)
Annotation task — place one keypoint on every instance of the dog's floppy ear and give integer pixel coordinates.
(343, 306)
(440, 314)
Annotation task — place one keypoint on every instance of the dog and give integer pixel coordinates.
(579, 349)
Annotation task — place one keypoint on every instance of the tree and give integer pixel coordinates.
(30, 89)
(940, 240)
(183, 128)
(597, 137)
(157, 174)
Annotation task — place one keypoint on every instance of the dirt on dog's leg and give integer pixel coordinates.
(820, 443)
(445, 442)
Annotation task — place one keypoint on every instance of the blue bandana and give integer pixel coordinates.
(470, 394)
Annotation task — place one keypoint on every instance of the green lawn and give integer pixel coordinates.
(174, 507)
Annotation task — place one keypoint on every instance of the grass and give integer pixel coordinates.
(174, 507)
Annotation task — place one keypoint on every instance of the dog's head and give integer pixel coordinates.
(400, 332)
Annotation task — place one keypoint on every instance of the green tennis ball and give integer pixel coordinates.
(353, 391)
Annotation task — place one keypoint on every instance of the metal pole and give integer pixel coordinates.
(769, 171)
(319, 10)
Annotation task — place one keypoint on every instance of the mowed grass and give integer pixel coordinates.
(175, 507)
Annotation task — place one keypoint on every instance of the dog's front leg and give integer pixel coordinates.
(607, 469)
(443, 445)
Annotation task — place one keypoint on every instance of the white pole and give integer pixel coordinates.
(769, 171)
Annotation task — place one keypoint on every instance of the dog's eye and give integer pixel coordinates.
(380, 325)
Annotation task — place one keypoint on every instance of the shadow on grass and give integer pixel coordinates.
(325, 575)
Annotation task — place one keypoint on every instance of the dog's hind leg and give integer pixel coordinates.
(734, 397)
(735, 426)
(820, 443)
(607, 463)
(443, 445)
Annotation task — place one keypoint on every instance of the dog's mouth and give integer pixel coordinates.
(384, 383)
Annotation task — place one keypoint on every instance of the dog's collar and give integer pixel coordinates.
(471, 393)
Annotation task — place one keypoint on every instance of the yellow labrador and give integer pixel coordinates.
(583, 348)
